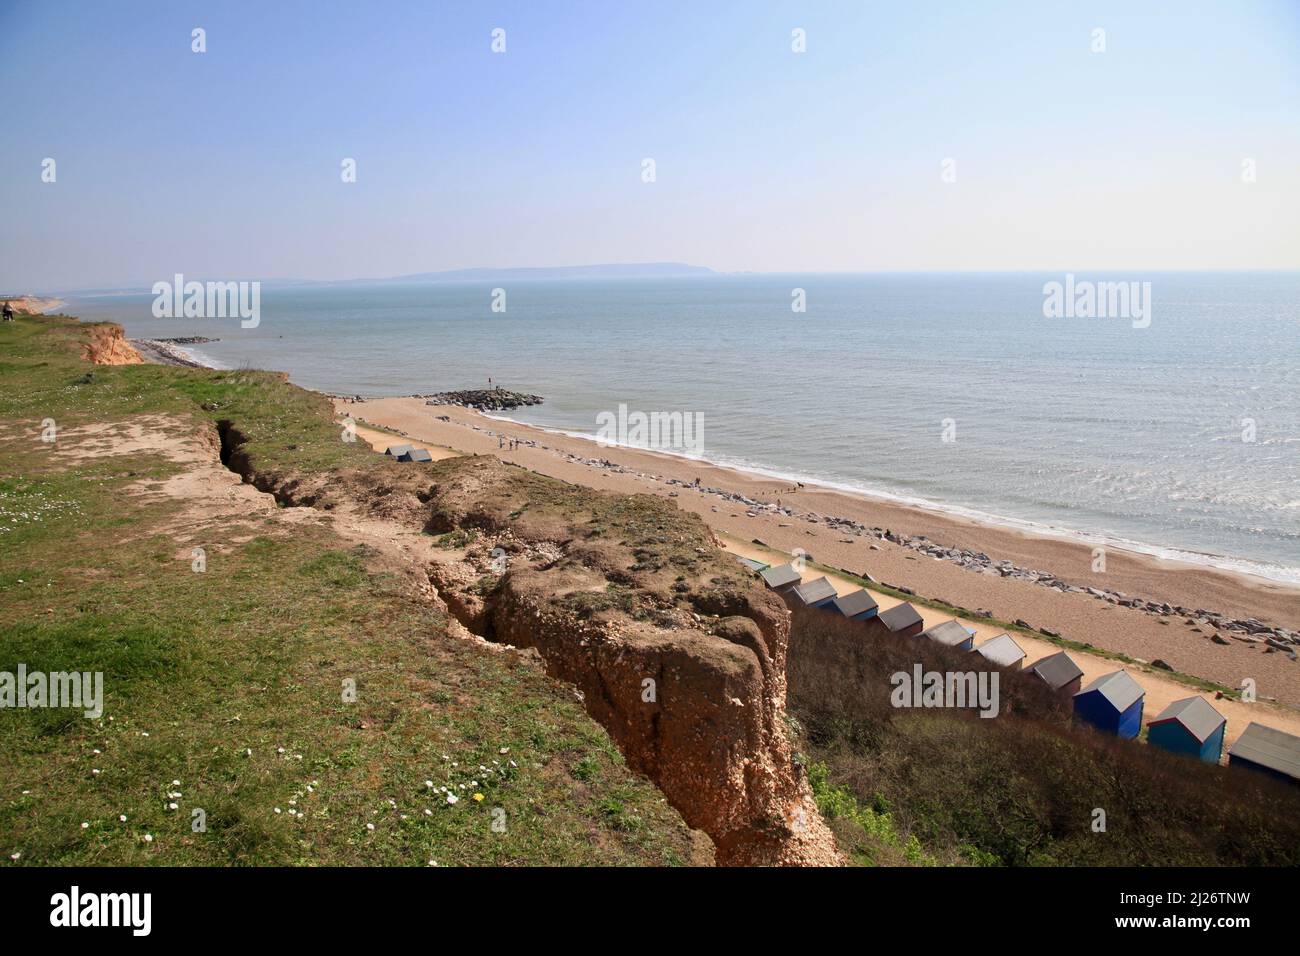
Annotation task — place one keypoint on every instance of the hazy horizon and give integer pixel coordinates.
(491, 272)
(988, 139)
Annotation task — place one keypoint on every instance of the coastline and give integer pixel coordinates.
(167, 352)
(1163, 558)
(1187, 645)
(34, 304)
(834, 526)
(1248, 568)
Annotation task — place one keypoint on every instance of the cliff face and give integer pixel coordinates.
(675, 651)
(692, 708)
(106, 344)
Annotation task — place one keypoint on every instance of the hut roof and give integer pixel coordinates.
(396, 450)
(416, 454)
(818, 589)
(1270, 748)
(780, 576)
(1120, 690)
(1194, 713)
(1002, 650)
(899, 617)
(1057, 670)
(854, 603)
(950, 633)
(753, 565)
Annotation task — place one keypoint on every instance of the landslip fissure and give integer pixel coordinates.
(689, 685)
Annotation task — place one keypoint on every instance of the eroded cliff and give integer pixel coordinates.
(674, 650)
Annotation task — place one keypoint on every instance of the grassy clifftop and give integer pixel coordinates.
(230, 680)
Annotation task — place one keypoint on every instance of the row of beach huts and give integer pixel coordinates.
(1112, 703)
(408, 453)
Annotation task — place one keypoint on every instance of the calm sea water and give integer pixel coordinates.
(1080, 425)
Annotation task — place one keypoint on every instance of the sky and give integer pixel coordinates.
(228, 163)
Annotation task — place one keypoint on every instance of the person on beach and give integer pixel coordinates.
(9, 312)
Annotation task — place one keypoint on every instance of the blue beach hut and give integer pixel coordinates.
(816, 593)
(856, 605)
(1267, 750)
(1113, 703)
(1189, 726)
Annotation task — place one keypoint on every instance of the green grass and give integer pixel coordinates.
(938, 787)
(231, 680)
(867, 832)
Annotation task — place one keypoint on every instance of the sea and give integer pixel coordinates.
(1176, 433)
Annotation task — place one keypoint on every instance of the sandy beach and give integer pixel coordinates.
(1079, 616)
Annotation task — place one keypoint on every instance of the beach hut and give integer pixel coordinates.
(856, 605)
(1059, 672)
(415, 454)
(1002, 651)
(816, 593)
(1189, 726)
(1266, 750)
(755, 566)
(396, 451)
(780, 578)
(1113, 703)
(902, 620)
(951, 634)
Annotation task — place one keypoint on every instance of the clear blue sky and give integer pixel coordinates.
(226, 164)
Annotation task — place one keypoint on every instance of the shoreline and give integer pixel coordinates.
(34, 304)
(830, 524)
(166, 352)
(956, 515)
(1146, 607)
(1248, 568)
